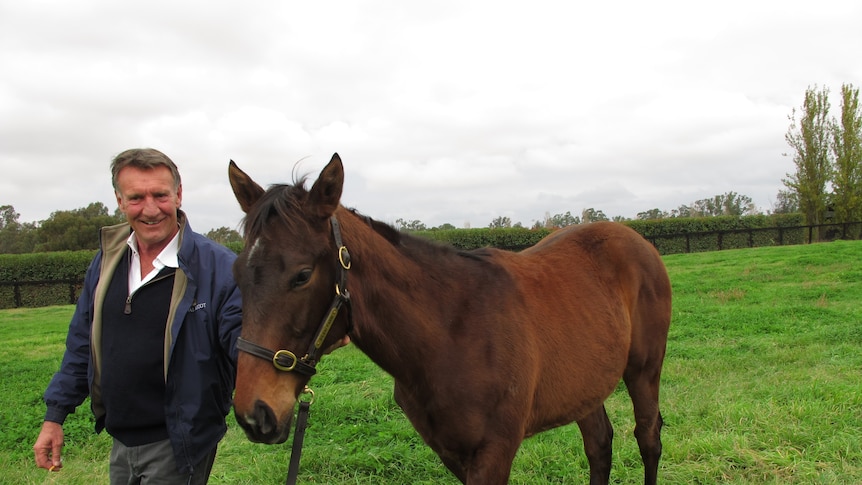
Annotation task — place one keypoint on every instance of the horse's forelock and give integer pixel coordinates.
(281, 200)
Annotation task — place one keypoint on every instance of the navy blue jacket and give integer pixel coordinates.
(200, 344)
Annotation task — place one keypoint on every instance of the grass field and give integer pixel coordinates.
(762, 384)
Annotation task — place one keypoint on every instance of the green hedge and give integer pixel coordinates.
(506, 238)
(58, 270)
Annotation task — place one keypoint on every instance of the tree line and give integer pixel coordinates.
(826, 186)
(70, 230)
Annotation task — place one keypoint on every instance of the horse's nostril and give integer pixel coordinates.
(264, 418)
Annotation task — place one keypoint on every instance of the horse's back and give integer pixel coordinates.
(616, 256)
(609, 252)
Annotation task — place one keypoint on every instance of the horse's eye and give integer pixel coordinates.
(301, 278)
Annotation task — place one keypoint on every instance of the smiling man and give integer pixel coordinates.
(153, 337)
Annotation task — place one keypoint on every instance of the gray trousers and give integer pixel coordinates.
(154, 464)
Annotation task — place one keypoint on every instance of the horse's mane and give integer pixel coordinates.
(283, 199)
(418, 245)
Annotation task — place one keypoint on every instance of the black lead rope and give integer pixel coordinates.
(298, 437)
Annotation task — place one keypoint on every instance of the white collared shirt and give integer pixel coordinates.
(166, 258)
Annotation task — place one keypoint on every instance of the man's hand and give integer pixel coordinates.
(337, 345)
(49, 446)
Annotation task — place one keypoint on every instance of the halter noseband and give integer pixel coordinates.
(287, 361)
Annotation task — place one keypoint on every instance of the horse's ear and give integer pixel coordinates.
(246, 190)
(325, 194)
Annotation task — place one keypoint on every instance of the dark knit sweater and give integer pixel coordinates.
(133, 340)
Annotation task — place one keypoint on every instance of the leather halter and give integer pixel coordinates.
(287, 361)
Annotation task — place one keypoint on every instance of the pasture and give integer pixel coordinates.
(762, 384)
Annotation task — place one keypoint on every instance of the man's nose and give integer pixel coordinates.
(151, 207)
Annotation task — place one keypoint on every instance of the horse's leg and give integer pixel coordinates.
(492, 463)
(598, 437)
(643, 386)
(455, 467)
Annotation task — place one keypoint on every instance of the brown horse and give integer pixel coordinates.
(486, 347)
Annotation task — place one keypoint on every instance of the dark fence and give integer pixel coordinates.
(16, 294)
(754, 237)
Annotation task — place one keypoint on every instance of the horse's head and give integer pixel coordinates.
(291, 274)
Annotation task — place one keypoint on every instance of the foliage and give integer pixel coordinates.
(811, 154)
(669, 235)
(75, 229)
(695, 234)
(727, 204)
(787, 203)
(224, 235)
(557, 221)
(760, 386)
(58, 271)
(235, 246)
(15, 237)
(847, 148)
(501, 223)
(69, 230)
(593, 215)
(414, 225)
(505, 238)
(651, 214)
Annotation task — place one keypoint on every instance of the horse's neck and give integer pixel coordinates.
(397, 316)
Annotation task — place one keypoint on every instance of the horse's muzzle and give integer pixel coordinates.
(262, 426)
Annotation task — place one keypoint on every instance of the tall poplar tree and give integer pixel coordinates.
(847, 148)
(809, 136)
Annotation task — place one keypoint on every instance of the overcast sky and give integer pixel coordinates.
(453, 112)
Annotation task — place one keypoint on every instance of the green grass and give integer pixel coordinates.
(762, 384)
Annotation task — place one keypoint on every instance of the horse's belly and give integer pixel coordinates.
(577, 380)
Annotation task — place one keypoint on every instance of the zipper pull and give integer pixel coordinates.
(128, 309)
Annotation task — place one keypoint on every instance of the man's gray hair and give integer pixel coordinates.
(144, 159)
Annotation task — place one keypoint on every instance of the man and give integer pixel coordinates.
(153, 337)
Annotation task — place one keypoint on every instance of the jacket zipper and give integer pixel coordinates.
(128, 309)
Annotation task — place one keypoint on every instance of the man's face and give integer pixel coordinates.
(150, 203)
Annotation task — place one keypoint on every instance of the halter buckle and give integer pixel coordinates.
(284, 353)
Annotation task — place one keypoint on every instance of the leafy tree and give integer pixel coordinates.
(681, 211)
(224, 235)
(500, 222)
(786, 203)
(727, 204)
(557, 220)
(809, 138)
(592, 215)
(847, 149)
(651, 214)
(10, 230)
(75, 229)
(414, 225)
(445, 227)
